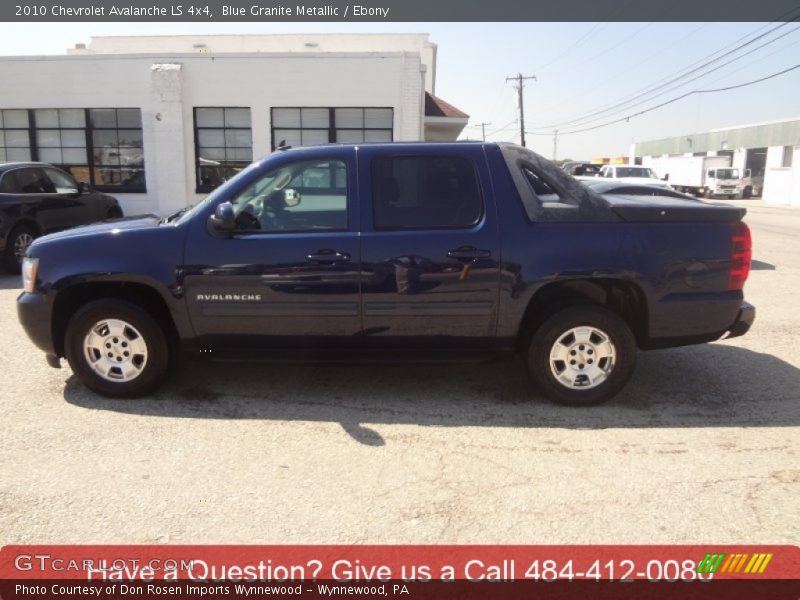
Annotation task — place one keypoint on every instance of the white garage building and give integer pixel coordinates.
(160, 121)
(771, 151)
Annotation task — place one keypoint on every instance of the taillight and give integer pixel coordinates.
(741, 253)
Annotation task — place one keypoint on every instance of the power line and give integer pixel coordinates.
(709, 56)
(756, 61)
(681, 97)
(588, 117)
(580, 122)
(597, 25)
(608, 80)
(595, 28)
(504, 127)
(621, 42)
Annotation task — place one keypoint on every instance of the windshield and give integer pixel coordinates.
(727, 173)
(636, 172)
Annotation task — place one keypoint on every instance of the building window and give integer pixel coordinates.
(307, 126)
(15, 143)
(99, 146)
(223, 144)
(117, 155)
(61, 140)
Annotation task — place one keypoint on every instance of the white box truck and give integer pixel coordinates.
(699, 175)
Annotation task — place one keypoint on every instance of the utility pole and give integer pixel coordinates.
(520, 79)
(483, 129)
(555, 143)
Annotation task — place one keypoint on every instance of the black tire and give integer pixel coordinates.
(11, 262)
(154, 368)
(747, 192)
(549, 332)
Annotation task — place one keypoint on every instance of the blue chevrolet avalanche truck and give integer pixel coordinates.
(395, 251)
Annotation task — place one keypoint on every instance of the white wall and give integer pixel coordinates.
(251, 80)
(739, 159)
(418, 43)
(782, 184)
(774, 156)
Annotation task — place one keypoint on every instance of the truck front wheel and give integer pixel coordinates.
(116, 349)
(582, 356)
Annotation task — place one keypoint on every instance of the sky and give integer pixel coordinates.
(580, 69)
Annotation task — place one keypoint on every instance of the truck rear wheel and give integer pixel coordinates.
(116, 349)
(582, 356)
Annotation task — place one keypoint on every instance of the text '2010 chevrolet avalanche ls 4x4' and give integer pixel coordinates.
(424, 250)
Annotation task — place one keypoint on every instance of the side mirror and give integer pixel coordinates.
(223, 222)
(83, 187)
(291, 198)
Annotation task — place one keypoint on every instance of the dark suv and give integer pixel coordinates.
(37, 198)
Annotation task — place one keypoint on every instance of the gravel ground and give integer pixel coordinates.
(702, 446)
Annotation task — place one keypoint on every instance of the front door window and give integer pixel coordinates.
(306, 196)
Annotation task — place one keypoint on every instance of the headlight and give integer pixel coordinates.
(30, 266)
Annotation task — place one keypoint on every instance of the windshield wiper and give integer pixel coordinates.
(174, 216)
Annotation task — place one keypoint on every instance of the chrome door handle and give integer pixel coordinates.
(468, 253)
(328, 256)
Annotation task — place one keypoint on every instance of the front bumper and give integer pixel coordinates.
(744, 320)
(35, 312)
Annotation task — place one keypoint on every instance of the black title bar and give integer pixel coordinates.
(211, 11)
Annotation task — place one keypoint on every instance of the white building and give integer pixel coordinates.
(769, 150)
(159, 121)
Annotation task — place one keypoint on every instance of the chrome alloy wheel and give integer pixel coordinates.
(21, 243)
(582, 358)
(115, 350)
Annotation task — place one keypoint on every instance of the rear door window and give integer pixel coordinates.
(543, 190)
(425, 192)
